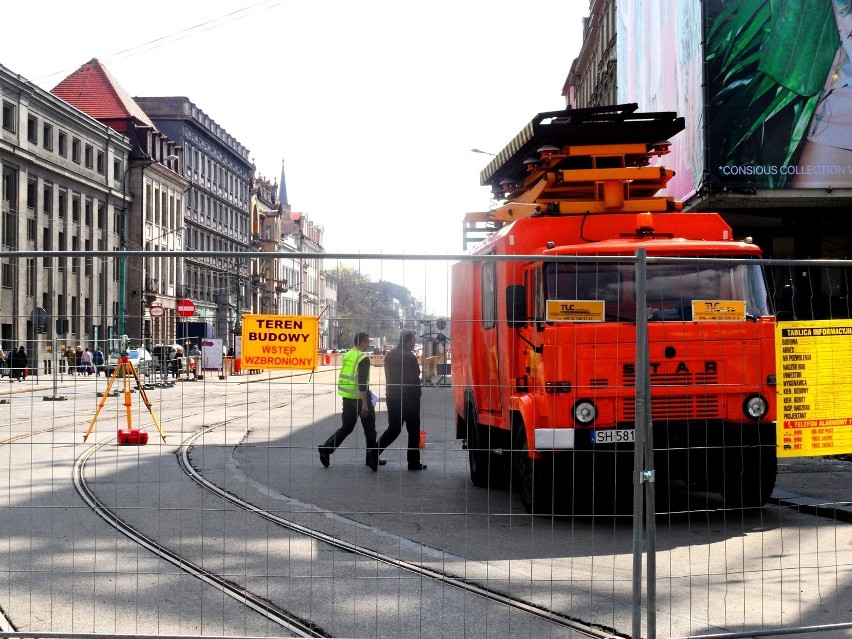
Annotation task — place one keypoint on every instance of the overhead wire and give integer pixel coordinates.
(182, 34)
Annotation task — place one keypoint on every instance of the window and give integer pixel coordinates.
(63, 203)
(32, 193)
(31, 277)
(101, 215)
(100, 165)
(489, 295)
(116, 170)
(32, 129)
(46, 247)
(9, 207)
(8, 275)
(62, 247)
(75, 209)
(670, 289)
(47, 198)
(9, 116)
(89, 156)
(89, 208)
(75, 150)
(63, 144)
(87, 246)
(47, 136)
(31, 230)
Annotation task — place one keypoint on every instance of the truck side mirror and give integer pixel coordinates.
(516, 305)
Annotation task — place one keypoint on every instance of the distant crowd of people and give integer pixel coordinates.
(17, 363)
(82, 361)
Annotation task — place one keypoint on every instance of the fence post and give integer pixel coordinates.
(643, 465)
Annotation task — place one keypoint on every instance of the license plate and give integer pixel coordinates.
(613, 436)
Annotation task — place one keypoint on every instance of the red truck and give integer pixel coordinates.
(544, 324)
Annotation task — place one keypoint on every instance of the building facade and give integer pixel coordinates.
(62, 190)
(153, 220)
(217, 211)
(757, 148)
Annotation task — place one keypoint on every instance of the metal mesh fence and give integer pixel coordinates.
(228, 523)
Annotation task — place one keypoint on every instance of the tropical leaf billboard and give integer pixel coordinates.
(779, 102)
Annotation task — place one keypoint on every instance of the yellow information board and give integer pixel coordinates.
(575, 311)
(813, 362)
(279, 342)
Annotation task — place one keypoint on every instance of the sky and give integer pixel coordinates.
(373, 106)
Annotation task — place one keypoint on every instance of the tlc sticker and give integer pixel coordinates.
(718, 310)
(575, 310)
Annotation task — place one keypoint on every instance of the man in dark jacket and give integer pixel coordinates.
(19, 364)
(402, 395)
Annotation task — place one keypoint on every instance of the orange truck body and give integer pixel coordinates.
(547, 402)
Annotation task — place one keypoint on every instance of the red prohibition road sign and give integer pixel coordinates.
(156, 310)
(185, 308)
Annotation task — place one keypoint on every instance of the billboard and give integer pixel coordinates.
(779, 103)
(660, 69)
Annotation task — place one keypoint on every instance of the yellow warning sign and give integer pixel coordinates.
(279, 342)
(814, 387)
(718, 310)
(575, 311)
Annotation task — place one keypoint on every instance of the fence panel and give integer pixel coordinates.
(227, 522)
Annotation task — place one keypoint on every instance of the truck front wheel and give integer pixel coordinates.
(533, 478)
(486, 466)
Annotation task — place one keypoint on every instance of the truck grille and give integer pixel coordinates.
(675, 379)
(676, 408)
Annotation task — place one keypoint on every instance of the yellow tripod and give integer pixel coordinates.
(125, 367)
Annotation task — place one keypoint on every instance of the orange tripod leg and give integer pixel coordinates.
(127, 399)
(102, 402)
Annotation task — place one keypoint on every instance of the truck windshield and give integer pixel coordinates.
(670, 289)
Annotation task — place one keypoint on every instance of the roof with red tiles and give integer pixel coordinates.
(93, 90)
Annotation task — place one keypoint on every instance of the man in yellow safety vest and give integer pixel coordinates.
(353, 385)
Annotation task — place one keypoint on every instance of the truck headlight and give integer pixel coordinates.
(755, 407)
(585, 412)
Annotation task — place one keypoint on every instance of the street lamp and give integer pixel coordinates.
(296, 217)
(122, 260)
(483, 152)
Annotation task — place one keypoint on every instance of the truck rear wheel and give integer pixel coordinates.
(533, 478)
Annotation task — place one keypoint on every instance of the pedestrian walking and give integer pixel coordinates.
(78, 360)
(98, 361)
(69, 359)
(402, 396)
(195, 360)
(86, 362)
(19, 364)
(353, 385)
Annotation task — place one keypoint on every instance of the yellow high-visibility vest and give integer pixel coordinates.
(347, 381)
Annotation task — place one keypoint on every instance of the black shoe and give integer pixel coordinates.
(325, 458)
(373, 460)
(417, 467)
(382, 462)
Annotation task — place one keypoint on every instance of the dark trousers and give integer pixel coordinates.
(351, 413)
(403, 410)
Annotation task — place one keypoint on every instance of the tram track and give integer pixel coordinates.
(293, 623)
(290, 622)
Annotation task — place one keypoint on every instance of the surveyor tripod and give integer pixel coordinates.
(125, 367)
